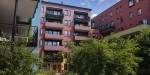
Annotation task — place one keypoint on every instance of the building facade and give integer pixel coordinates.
(123, 15)
(61, 24)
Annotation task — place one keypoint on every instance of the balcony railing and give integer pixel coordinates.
(53, 36)
(80, 20)
(54, 48)
(54, 17)
(54, 25)
(80, 38)
(82, 28)
(127, 31)
(54, 57)
(106, 29)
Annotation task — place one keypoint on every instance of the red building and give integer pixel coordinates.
(123, 15)
(61, 24)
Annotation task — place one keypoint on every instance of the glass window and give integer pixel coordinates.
(65, 33)
(54, 32)
(67, 12)
(54, 43)
(131, 2)
(139, 11)
(130, 15)
(58, 13)
(50, 43)
(145, 21)
(46, 43)
(58, 43)
(55, 12)
(67, 22)
(69, 33)
(110, 14)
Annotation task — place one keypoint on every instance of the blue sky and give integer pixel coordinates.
(97, 6)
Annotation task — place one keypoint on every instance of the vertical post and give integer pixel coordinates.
(14, 22)
(13, 38)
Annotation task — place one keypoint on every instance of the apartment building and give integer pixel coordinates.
(126, 14)
(61, 24)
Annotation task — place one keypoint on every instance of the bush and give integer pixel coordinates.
(18, 61)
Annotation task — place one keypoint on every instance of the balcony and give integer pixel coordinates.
(81, 38)
(127, 31)
(81, 20)
(53, 36)
(106, 29)
(53, 25)
(54, 48)
(53, 57)
(54, 17)
(82, 28)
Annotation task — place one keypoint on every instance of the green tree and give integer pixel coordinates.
(124, 60)
(15, 62)
(144, 43)
(103, 57)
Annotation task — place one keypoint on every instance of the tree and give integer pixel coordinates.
(15, 62)
(144, 44)
(125, 61)
(104, 57)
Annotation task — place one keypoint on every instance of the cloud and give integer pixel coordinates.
(94, 15)
(83, 4)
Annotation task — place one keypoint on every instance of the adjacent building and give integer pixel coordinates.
(61, 24)
(124, 15)
(24, 13)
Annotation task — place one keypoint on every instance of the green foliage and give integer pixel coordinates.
(44, 73)
(69, 73)
(144, 44)
(15, 62)
(125, 61)
(103, 57)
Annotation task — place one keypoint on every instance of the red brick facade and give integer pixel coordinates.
(123, 15)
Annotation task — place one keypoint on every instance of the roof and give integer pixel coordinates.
(59, 4)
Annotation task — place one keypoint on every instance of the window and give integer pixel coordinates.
(80, 16)
(52, 43)
(145, 21)
(52, 32)
(67, 33)
(110, 14)
(41, 31)
(130, 15)
(67, 22)
(53, 12)
(131, 2)
(139, 11)
(67, 12)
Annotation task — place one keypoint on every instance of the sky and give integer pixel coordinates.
(97, 6)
